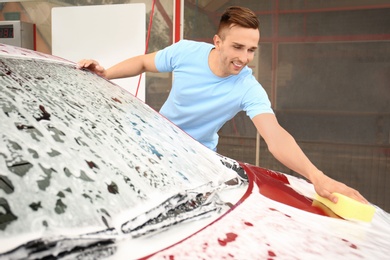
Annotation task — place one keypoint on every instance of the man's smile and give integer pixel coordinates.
(237, 65)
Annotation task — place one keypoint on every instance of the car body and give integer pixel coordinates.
(87, 170)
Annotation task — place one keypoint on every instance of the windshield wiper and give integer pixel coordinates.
(190, 205)
(99, 244)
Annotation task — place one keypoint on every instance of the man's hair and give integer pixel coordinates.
(236, 15)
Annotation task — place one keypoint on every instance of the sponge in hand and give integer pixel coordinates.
(348, 208)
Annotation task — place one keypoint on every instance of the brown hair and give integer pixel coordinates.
(236, 15)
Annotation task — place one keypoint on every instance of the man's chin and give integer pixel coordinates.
(235, 71)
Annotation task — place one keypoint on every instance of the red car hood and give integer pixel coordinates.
(273, 220)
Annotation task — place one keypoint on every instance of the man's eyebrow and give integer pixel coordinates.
(242, 45)
(239, 44)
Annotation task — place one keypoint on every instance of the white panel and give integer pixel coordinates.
(106, 33)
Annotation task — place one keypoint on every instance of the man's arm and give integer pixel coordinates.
(285, 149)
(127, 68)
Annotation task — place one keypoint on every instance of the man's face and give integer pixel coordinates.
(236, 48)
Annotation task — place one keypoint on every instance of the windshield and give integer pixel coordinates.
(76, 150)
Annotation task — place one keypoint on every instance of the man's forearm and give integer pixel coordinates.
(132, 67)
(287, 151)
(127, 68)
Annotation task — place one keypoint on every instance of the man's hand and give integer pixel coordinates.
(93, 66)
(325, 186)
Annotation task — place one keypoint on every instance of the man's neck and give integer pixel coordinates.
(214, 64)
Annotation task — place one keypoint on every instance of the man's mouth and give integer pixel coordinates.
(237, 65)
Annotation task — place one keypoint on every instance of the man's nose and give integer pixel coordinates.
(244, 57)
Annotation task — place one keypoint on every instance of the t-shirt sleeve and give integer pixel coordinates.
(166, 58)
(255, 100)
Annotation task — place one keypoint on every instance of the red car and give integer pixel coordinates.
(88, 171)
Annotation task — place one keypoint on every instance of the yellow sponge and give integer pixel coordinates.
(348, 208)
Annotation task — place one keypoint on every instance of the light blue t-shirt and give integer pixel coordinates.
(200, 102)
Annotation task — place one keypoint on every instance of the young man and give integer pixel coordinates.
(212, 83)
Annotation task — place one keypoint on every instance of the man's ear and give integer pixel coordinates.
(217, 41)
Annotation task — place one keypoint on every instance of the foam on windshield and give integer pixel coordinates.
(76, 150)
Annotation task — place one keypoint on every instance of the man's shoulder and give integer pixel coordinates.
(193, 44)
(189, 51)
(182, 53)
